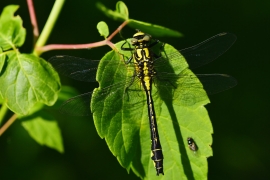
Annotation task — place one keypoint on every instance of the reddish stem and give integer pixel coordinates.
(33, 19)
(7, 124)
(84, 46)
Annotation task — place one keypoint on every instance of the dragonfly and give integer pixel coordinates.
(146, 69)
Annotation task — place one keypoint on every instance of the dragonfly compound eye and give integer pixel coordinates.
(134, 41)
(146, 38)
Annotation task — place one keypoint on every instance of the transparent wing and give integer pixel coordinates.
(186, 89)
(128, 92)
(208, 50)
(77, 106)
(166, 78)
(196, 56)
(215, 83)
(82, 69)
(200, 54)
(212, 83)
(75, 68)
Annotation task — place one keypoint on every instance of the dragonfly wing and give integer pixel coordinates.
(77, 106)
(215, 83)
(208, 50)
(75, 68)
(189, 89)
(125, 93)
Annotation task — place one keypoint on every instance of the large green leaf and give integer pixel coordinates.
(153, 29)
(27, 80)
(12, 33)
(121, 118)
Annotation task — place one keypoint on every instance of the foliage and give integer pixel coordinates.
(29, 85)
(121, 14)
(27, 82)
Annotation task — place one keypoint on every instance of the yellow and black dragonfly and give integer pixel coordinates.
(165, 76)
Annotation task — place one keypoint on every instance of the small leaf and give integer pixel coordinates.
(103, 29)
(27, 80)
(122, 9)
(2, 59)
(12, 33)
(154, 30)
(44, 130)
(110, 13)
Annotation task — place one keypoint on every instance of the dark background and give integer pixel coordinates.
(240, 116)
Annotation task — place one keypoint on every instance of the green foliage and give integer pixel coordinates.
(121, 14)
(153, 29)
(2, 59)
(41, 124)
(28, 83)
(12, 34)
(103, 29)
(42, 127)
(26, 80)
(122, 9)
(123, 120)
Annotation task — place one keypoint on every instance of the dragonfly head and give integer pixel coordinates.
(140, 38)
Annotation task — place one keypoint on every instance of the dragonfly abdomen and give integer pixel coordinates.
(156, 149)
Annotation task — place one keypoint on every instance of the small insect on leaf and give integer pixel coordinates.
(192, 145)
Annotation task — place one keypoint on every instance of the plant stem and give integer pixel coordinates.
(8, 123)
(118, 30)
(49, 25)
(33, 19)
(83, 46)
(3, 112)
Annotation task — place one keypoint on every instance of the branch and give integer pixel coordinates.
(8, 123)
(33, 19)
(107, 41)
(49, 25)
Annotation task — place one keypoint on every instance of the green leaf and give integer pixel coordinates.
(121, 14)
(26, 81)
(12, 33)
(103, 29)
(122, 9)
(153, 29)
(41, 125)
(122, 117)
(43, 129)
(116, 15)
(2, 59)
